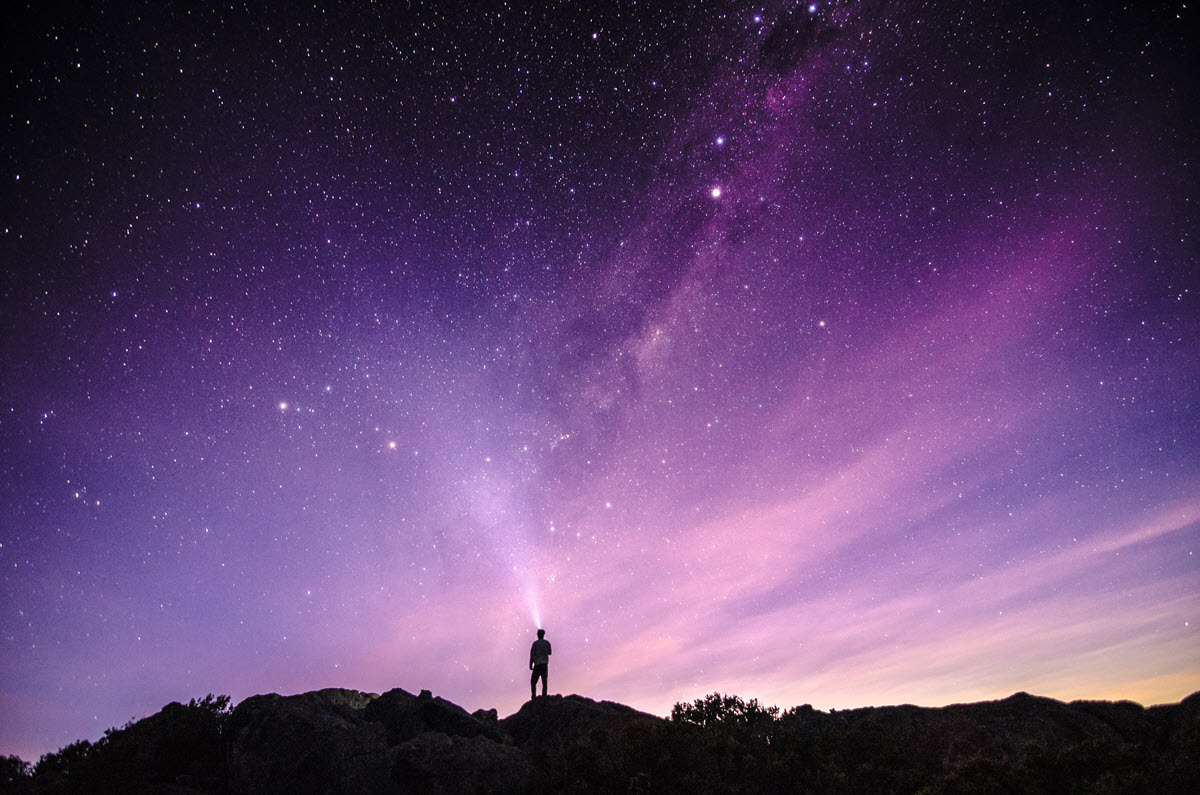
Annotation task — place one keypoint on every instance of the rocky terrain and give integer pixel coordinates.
(344, 741)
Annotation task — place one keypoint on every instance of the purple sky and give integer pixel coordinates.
(842, 354)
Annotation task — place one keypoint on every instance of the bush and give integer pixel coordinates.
(741, 720)
(14, 771)
(180, 745)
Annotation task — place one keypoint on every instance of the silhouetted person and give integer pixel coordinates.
(539, 663)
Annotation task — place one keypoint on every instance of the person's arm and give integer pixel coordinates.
(531, 658)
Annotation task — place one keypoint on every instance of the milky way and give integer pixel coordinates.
(841, 354)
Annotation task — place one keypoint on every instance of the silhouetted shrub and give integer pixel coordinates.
(729, 715)
(179, 746)
(65, 763)
(14, 774)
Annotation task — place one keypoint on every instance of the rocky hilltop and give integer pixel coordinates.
(335, 741)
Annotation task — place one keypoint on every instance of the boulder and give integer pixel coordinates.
(574, 740)
(437, 762)
(404, 716)
(313, 742)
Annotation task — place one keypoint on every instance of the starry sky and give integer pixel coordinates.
(840, 353)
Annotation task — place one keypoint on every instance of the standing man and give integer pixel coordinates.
(539, 663)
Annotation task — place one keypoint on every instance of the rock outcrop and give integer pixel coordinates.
(314, 742)
(572, 738)
(343, 741)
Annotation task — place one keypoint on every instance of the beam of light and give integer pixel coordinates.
(535, 612)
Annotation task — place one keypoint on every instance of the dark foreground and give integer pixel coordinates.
(333, 741)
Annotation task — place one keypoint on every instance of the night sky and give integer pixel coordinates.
(842, 354)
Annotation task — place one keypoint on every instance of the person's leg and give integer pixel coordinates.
(545, 678)
(539, 671)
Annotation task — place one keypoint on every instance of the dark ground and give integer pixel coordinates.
(345, 741)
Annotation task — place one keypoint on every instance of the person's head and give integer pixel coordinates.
(541, 634)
